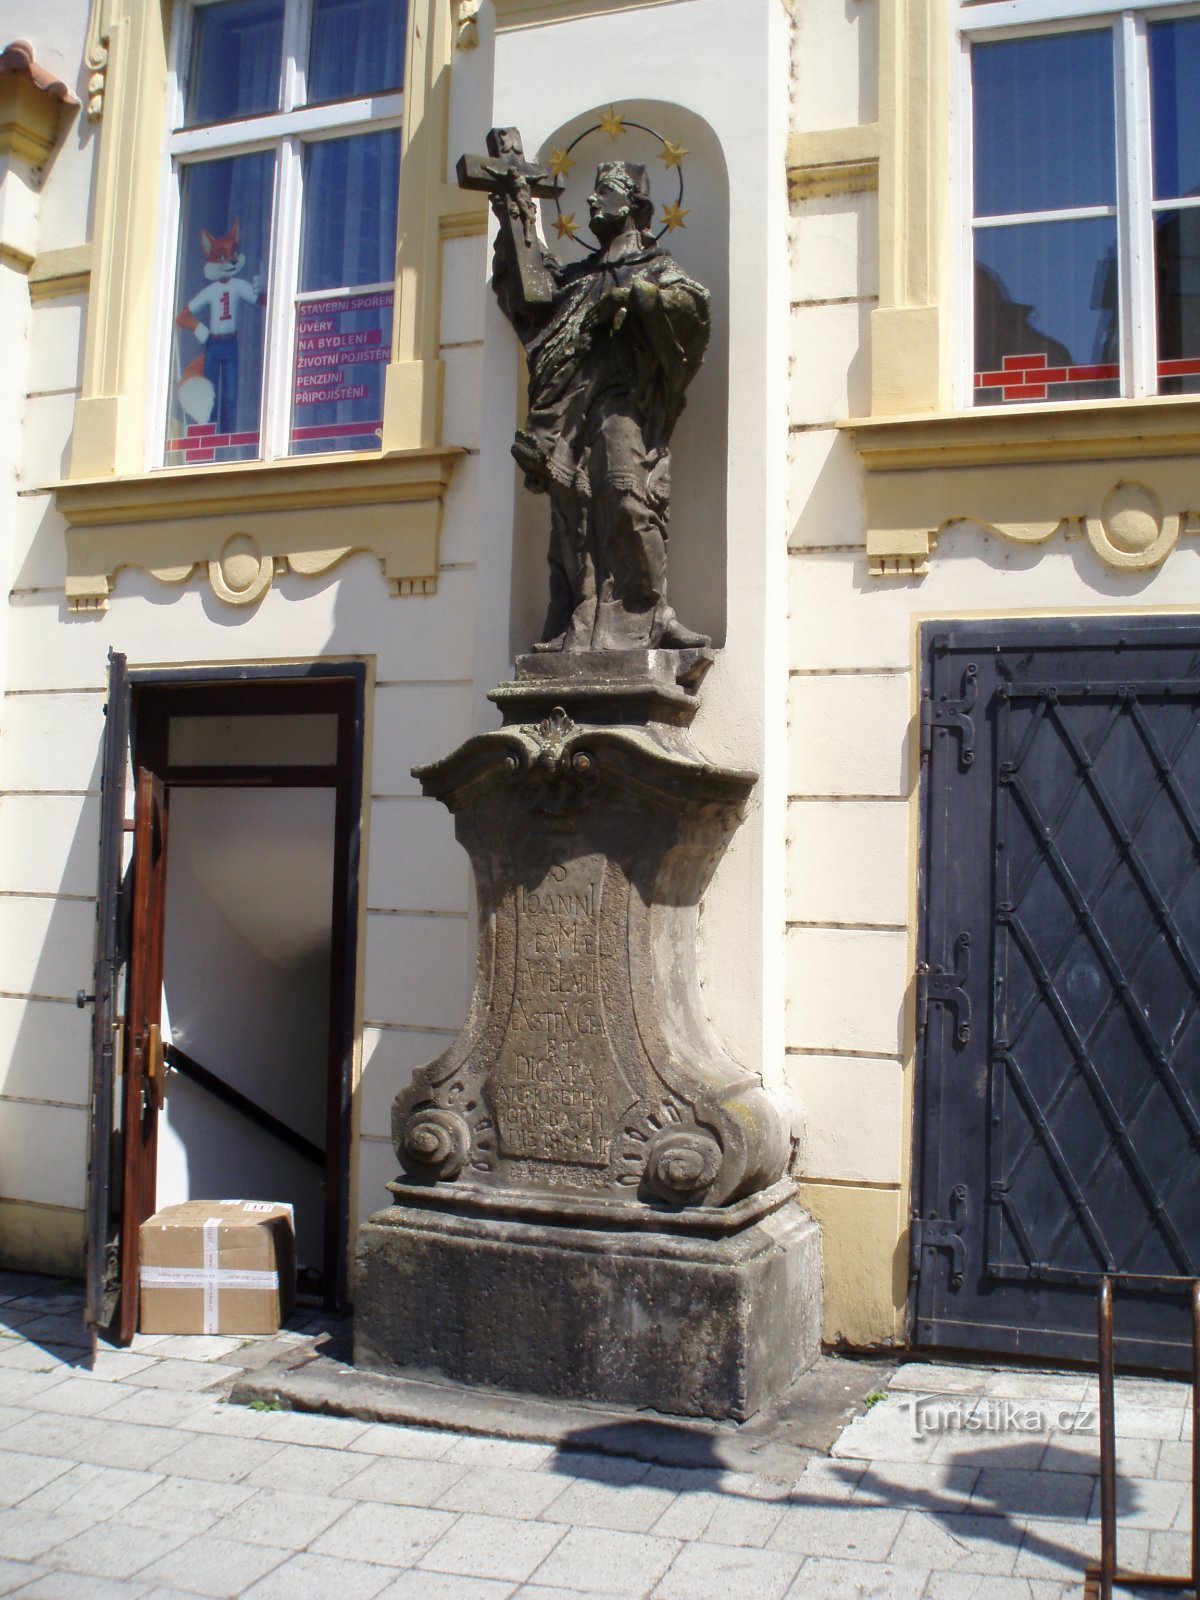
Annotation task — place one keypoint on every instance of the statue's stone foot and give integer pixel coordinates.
(676, 637)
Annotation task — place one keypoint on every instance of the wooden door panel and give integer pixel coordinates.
(104, 1181)
(144, 1065)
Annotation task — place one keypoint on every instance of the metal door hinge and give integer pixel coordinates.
(947, 988)
(940, 1233)
(952, 714)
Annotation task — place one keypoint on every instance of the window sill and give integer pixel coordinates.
(243, 524)
(1121, 472)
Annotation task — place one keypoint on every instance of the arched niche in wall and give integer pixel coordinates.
(697, 548)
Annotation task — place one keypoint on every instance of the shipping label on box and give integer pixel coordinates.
(217, 1266)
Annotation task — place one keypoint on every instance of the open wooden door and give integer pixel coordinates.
(104, 1178)
(144, 1064)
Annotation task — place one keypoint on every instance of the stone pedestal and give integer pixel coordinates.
(686, 1323)
(596, 1200)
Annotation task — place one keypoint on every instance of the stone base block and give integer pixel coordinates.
(687, 1326)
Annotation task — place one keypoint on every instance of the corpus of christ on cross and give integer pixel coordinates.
(505, 173)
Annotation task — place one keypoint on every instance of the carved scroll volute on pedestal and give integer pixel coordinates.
(587, 1065)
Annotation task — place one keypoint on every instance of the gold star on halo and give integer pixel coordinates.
(611, 123)
(673, 216)
(672, 153)
(560, 163)
(565, 225)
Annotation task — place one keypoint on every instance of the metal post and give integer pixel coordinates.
(1101, 1576)
(1108, 1444)
(1196, 1435)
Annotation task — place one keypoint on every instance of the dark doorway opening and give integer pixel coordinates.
(234, 966)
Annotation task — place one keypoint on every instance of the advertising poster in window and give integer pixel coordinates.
(343, 343)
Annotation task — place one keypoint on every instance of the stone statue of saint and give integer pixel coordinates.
(612, 343)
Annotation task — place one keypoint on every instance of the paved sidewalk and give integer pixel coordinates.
(132, 1477)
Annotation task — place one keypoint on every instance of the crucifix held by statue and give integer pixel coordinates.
(612, 343)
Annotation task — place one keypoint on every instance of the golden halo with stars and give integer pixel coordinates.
(614, 124)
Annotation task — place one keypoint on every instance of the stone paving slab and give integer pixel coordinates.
(131, 1477)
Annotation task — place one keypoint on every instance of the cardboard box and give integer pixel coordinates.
(217, 1266)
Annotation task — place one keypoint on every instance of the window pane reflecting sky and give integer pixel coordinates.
(1174, 93)
(236, 58)
(1044, 123)
(1047, 287)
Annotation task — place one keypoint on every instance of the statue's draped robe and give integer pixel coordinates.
(605, 393)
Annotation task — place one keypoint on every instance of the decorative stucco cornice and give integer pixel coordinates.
(1121, 473)
(243, 525)
(34, 105)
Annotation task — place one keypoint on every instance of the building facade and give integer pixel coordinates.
(933, 503)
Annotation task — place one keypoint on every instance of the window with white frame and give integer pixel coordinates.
(1085, 219)
(284, 150)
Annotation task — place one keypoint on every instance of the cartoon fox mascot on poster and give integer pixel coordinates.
(210, 383)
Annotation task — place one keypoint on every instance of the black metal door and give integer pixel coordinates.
(1058, 1131)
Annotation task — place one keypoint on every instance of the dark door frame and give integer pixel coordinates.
(300, 688)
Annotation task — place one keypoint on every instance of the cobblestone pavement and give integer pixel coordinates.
(131, 1477)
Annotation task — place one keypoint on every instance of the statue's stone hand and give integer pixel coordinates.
(644, 294)
(608, 311)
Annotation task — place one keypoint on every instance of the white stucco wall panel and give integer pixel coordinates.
(835, 65)
(846, 990)
(463, 395)
(377, 1166)
(55, 29)
(853, 1108)
(416, 863)
(37, 556)
(49, 649)
(56, 344)
(460, 514)
(67, 209)
(464, 286)
(849, 734)
(349, 612)
(45, 439)
(52, 741)
(414, 724)
(47, 946)
(844, 620)
(848, 861)
(45, 1056)
(45, 1153)
(826, 504)
(417, 971)
(831, 367)
(834, 247)
(48, 843)
(390, 1056)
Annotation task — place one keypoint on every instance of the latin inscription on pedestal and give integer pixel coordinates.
(556, 1087)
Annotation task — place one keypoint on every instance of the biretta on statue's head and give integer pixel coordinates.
(631, 179)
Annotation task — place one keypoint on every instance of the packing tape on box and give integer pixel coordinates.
(211, 1278)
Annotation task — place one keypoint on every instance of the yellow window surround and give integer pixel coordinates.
(1116, 473)
(107, 487)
